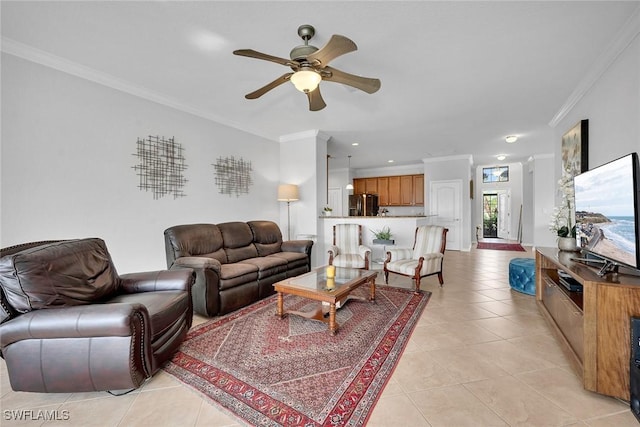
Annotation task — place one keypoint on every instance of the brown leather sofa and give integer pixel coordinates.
(70, 323)
(236, 263)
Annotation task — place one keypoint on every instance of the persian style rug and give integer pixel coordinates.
(501, 246)
(291, 372)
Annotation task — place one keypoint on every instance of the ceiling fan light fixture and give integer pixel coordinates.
(306, 80)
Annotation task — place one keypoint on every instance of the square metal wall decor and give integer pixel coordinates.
(233, 176)
(161, 166)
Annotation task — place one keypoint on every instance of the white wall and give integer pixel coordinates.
(612, 106)
(542, 167)
(67, 154)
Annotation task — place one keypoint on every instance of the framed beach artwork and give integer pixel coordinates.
(575, 149)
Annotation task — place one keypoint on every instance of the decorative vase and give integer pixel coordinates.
(327, 213)
(567, 244)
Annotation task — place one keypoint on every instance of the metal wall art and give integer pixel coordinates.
(161, 166)
(233, 176)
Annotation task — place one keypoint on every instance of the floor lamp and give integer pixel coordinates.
(288, 193)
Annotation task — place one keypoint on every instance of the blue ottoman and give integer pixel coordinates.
(522, 275)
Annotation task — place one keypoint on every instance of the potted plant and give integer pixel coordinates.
(327, 211)
(383, 236)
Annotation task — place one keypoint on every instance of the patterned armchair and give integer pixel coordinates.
(423, 260)
(347, 249)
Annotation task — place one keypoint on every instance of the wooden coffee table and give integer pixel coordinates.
(315, 286)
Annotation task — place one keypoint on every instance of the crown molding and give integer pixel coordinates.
(32, 54)
(622, 40)
(468, 157)
(306, 134)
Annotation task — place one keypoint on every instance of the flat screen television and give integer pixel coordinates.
(608, 212)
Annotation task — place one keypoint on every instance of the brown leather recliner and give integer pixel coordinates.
(70, 323)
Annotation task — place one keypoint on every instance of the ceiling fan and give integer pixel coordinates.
(309, 66)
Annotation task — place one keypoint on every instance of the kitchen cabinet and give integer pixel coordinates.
(383, 191)
(394, 191)
(371, 185)
(418, 190)
(397, 190)
(406, 190)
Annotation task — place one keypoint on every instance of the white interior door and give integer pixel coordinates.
(335, 200)
(446, 207)
(504, 214)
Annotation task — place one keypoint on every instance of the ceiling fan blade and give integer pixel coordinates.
(266, 88)
(365, 84)
(316, 102)
(336, 46)
(250, 53)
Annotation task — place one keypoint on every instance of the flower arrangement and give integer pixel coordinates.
(561, 219)
(327, 209)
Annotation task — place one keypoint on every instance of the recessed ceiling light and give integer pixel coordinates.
(501, 157)
(511, 139)
(354, 143)
(389, 161)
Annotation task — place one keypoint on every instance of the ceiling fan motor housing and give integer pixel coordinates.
(301, 52)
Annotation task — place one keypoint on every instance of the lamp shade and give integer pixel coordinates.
(288, 193)
(306, 80)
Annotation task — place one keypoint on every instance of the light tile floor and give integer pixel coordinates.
(481, 355)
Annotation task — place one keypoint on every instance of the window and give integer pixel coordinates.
(495, 174)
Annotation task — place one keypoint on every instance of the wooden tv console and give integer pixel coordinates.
(593, 324)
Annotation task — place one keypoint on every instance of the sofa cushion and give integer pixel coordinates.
(294, 259)
(194, 240)
(66, 273)
(238, 241)
(236, 274)
(266, 237)
(268, 266)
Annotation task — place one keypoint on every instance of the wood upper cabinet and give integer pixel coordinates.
(406, 190)
(418, 190)
(394, 191)
(383, 191)
(398, 190)
(371, 185)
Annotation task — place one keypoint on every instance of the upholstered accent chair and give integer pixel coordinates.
(426, 257)
(347, 249)
(70, 323)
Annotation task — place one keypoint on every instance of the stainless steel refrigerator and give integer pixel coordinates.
(363, 205)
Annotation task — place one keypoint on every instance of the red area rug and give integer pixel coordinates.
(501, 246)
(291, 372)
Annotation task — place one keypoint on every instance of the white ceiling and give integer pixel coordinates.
(457, 77)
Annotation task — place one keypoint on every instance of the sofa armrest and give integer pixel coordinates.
(197, 262)
(82, 321)
(301, 246)
(152, 281)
